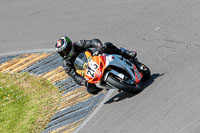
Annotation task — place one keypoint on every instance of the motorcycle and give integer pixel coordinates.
(112, 71)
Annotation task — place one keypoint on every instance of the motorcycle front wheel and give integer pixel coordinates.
(117, 83)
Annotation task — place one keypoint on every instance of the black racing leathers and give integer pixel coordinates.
(81, 46)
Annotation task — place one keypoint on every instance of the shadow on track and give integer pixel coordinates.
(123, 95)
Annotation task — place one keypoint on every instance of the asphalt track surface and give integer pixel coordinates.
(166, 35)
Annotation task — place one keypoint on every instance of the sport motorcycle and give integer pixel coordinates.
(108, 71)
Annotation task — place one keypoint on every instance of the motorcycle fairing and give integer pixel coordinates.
(130, 68)
(93, 68)
(138, 75)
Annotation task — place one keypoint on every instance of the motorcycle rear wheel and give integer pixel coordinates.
(145, 70)
(115, 82)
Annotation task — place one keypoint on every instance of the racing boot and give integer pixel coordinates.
(131, 56)
(112, 49)
(128, 54)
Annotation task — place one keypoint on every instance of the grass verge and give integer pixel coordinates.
(26, 103)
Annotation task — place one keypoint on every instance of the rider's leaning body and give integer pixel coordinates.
(69, 51)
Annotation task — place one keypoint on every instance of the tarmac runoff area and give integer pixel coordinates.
(76, 104)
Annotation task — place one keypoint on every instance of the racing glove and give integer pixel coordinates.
(95, 52)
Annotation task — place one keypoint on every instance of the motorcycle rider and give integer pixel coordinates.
(69, 51)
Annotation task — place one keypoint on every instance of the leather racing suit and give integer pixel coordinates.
(90, 45)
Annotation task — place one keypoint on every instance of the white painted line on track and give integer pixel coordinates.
(106, 98)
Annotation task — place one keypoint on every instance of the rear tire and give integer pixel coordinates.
(115, 82)
(145, 70)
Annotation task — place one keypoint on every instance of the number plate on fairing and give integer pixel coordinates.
(93, 66)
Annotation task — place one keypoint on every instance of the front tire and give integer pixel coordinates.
(115, 82)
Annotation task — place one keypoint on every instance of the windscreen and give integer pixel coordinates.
(81, 62)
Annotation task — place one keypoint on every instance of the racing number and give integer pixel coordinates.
(93, 65)
(90, 73)
(92, 68)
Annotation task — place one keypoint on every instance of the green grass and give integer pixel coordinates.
(26, 103)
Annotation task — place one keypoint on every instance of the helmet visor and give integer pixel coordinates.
(65, 50)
